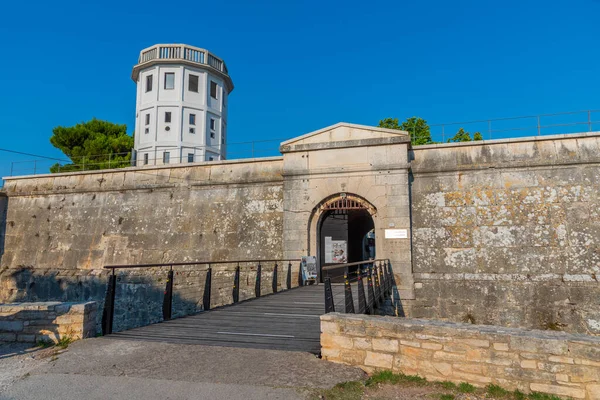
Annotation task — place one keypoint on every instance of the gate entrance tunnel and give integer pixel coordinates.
(346, 235)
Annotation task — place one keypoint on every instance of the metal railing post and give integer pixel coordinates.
(371, 300)
(329, 306)
(109, 305)
(258, 278)
(288, 280)
(348, 301)
(207, 289)
(236, 284)
(168, 298)
(362, 303)
(589, 120)
(11, 168)
(300, 278)
(539, 128)
(375, 285)
(274, 283)
(34, 166)
(381, 282)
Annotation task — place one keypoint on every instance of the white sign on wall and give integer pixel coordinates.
(396, 233)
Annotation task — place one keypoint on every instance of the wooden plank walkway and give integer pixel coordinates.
(288, 320)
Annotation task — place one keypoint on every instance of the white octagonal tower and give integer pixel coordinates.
(181, 105)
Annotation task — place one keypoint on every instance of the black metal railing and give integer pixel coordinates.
(167, 306)
(376, 274)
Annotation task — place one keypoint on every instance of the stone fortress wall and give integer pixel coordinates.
(61, 230)
(507, 232)
(500, 232)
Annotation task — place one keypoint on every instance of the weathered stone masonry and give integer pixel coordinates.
(62, 229)
(503, 232)
(508, 232)
(530, 361)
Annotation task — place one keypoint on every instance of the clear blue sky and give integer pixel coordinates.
(298, 66)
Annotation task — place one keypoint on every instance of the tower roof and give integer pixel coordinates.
(182, 54)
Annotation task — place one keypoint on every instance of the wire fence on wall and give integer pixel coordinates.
(498, 128)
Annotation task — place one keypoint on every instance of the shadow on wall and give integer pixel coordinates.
(3, 211)
(393, 305)
(138, 300)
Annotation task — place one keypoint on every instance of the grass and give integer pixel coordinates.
(344, 391)
(542, 396)
(44, 343)
(64, 342)
(394, 379)
(497, 391)
(356, 389)
(466, 388)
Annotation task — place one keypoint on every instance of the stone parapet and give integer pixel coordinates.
(558, 363)
(47, 321)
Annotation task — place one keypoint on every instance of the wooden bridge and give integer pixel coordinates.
(287, 320)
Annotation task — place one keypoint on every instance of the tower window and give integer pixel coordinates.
(213, 89)
(190, 157)
(210, 159)
(192, 130)
(145, 158)
(168, 116)
(193, 83)
(147, 119)
(169, 80)
(192, 119)
(149, 83)
(147, 130)
(222, 134)
(166, 157)
(212, 124)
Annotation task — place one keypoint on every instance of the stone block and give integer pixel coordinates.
(7, 337)
(431, 346)
(474, 342)
(379, 360)
(329, 353)
(529, 364)
(563, 360)
(576, 393)
(329, 327)
(477, 380)
(11, 326)
(501, 346)
(362, 343)
(593, 391)
(336, 341)
(26, 338)
(385, 345)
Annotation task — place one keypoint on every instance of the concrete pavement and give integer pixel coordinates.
(110, 368)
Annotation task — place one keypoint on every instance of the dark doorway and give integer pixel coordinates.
(345, 236)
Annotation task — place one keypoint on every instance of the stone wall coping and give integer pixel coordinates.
(487, 329)
(565, 136)
(48, 306)
(149, 168)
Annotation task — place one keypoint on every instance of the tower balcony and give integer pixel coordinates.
(181, 54)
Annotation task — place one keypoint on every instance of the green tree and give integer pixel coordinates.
(416, 127)
(463, 136)
(92, 145)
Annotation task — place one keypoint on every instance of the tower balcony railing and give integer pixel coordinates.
(182, 52)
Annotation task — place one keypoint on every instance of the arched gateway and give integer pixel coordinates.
(344, 229)
(346, 198)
